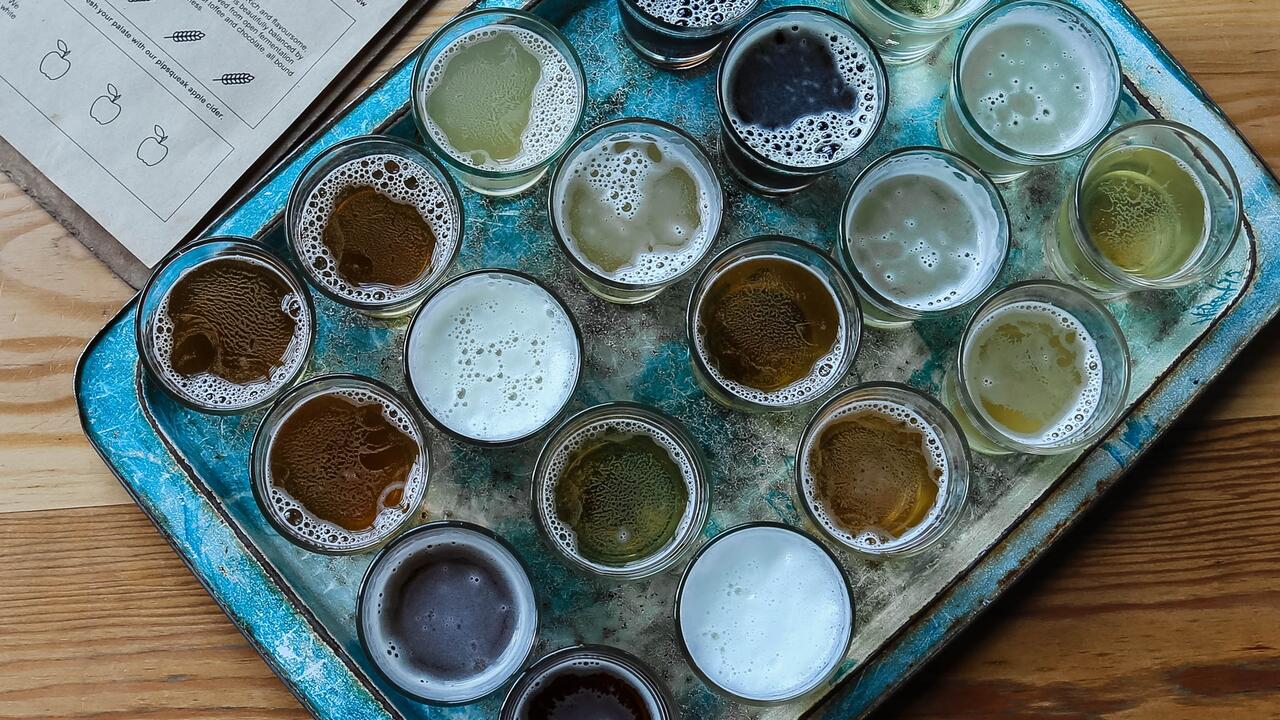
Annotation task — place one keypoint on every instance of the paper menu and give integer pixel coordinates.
(145, 112)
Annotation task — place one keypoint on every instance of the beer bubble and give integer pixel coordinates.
(554, 106)
(696, 13)
(344, 468)
(230, 331)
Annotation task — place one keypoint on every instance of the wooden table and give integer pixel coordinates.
(1164, 604)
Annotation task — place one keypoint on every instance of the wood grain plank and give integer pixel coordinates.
(1163, 604)
(101, 620)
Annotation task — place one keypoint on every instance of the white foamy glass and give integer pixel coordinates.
(1105, 368)
(402, 172)
(560, 98)
(631, 418)
(945, 440)
(288, 516)
(1076, 260)
(619, 178)
(1035, 81)
(493, 357)
(206, 392)
(679, 34)
(906, 30)
(923, 234)
(764, 613)
(776, 159)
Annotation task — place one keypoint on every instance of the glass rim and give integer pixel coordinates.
(416, 397)
(679, 597)
(440, 40)
(851, 312)
(1001, 438)
(1202, 146)
(363, 591)
(998, 148)
(143, 321)
(877, 63)
(555, 659)
(699, 500)
(886, 304)
(290, 401)
(685, 31)
(950, 20)
(960, 472)
(309, 177)
(562, 167)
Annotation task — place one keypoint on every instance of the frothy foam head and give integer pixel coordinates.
(925, 234)
(1034, 371)
(1039, 79)
(399, 178)
(448, 613)
(765, 613)
(554, 107)
(872, 539)
(290, 513)
(493, 357)
(214, 391)
(696, 13)
(825, 372)
(803, 90)
(637, 208)
(563, 535)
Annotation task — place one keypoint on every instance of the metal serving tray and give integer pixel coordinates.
(189, 472)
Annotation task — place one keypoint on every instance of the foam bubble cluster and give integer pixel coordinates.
(562, 534)
(818, 139)
(554, 110)
(294, 515)
(1038, 81)
(765, 613)
(637, 176)
(924, 234)
(493, 356)
(214, 391)
(869, 539)
(696, 13)
(824, 375)
(1049, 380)
(399, 178)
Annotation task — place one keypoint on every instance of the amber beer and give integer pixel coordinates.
(772, 324)
(375, 224)
(340, 464)
(224, 326)
(883, 469)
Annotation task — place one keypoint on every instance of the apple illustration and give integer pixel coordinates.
(55, 64)
(105, 109)
(153, 150)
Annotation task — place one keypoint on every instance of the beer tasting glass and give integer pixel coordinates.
(1035, 81)
(1156, 206)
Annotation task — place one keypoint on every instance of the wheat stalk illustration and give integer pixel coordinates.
(240, 78)
(185, 36)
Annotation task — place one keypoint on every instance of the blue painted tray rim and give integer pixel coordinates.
(908, 650)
